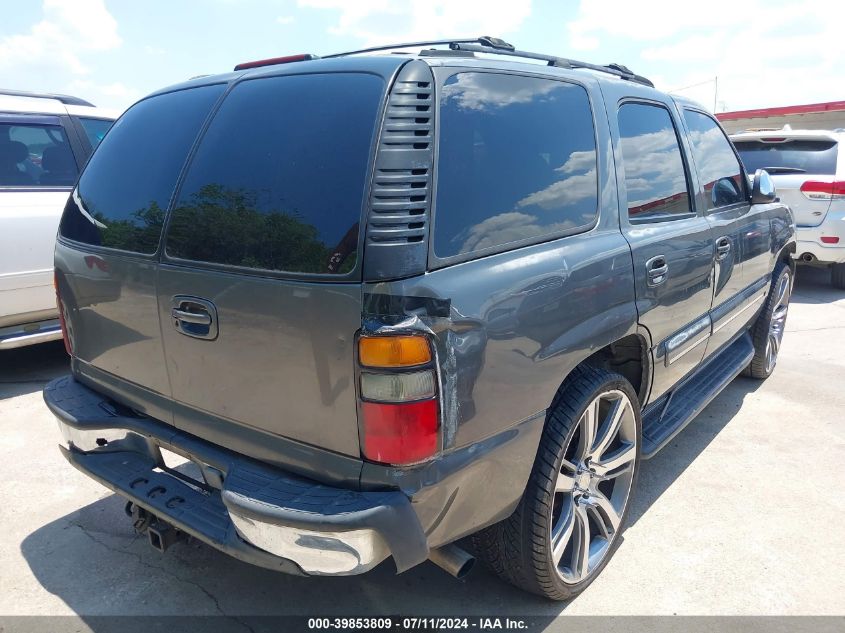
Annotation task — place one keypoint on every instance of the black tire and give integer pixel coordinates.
(519, 549)
(837, 276)
(761, 367)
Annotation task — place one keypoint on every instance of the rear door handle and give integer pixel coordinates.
(723, 248)
(197, 318)
(657, 269)
(194, 317)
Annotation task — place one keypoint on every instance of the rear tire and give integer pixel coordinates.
(579, 491)
(767, 331)
(837, 276)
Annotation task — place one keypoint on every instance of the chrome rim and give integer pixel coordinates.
(778, 321)
(593, 485)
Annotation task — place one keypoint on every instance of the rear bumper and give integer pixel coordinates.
(810, 239)
(242, 507)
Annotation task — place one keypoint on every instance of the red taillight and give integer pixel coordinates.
(400, 408)
(399, 433)
(830, 239)
(61, 307)
(817, 190)
(272, 61)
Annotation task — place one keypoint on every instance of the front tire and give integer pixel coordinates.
(575, 506)
(767, 332)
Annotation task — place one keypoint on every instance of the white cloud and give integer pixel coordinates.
(563, 193)
(54, 54)
(475, 91)
(285, 19)
(764, 52)
(507, 227)
(66, 33)
(381, 21)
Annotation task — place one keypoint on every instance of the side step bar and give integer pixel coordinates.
(663, 423)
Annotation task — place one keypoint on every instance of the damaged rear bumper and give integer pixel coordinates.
(254, 512)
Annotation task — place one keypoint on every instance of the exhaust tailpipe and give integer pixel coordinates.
(807, 257)
(452, 559)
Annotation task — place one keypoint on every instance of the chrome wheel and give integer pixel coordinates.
(593, 485)
(778, 321)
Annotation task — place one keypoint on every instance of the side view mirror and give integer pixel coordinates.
(763, 190)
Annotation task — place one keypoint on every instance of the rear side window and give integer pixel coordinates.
(654, 169)
(789, 157)
(717, 164)
(517, 161)
(124, 191)
(95, 129)
(34, 155)
(279, 178)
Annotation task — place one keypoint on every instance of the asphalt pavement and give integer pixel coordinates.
(742, 514)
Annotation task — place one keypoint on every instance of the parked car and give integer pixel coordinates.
(809, 174)
(384, 302)
(45, 140)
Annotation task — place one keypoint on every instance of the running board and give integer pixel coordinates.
(662, 423)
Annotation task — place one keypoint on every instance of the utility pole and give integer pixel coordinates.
(715, 92)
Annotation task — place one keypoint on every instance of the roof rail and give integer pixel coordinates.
(485, 40)
(66, 99)
(561, 62)
(496, 46)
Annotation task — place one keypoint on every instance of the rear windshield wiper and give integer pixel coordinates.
(785, 170)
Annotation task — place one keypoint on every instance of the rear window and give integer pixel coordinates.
(804, 156)
(124, 191)
(95, 129)
(279, 178)
(34, 155)
(517, 162)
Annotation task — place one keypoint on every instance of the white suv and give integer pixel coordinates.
(810, 177)
(44, 142)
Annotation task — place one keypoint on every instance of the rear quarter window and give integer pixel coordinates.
(517, 162)
(95, 129)
(123, 193)
(807, 156)
(279, 178)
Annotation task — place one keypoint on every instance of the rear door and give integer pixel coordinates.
(39, 163)
(106, 259)
(672, 244)
(259, 288)
(794, 163)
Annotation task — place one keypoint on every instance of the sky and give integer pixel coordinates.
(735, 54)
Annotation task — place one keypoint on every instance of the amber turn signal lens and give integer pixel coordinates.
(393, 351)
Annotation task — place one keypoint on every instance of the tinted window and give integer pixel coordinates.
(654, 170)
(95, 129)
(35, 155)
(279, 178)
(717, 164)
(517, 161)
(811, 157)
(123, 193)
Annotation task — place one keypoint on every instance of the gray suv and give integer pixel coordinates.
(328, 311)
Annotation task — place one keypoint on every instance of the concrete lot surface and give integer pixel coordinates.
(741, 514)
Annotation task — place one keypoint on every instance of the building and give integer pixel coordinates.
(812, 116)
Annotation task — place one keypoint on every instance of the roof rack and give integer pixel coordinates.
(497, 46)
(66, 99)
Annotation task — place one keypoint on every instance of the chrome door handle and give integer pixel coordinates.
(198, 318)
(723, 248)
(657, 268)
(194, 317)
